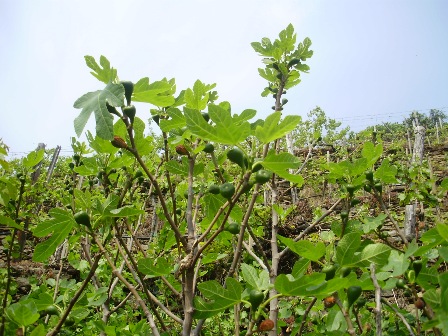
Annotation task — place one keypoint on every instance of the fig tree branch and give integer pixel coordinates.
(402, 318)
(377, 309)
(131, 288)
(133, 150)
(75, 298)
(305, 315)
(253, 255)
(350, 328)
(394, 222)
(139, 277)
(239, 247)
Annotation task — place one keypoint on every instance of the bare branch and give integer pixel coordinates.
(253, 255)
(377, 309)
(350, 328)
(305, 315)
(402, 318)
(75, 298)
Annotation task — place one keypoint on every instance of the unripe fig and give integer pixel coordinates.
(227, 190)
(156, 118)
(205, 116)
(82, 218)
(369, 175)
(209, 148)
(353, 293)
(129, 111)
(329, 271)
(236, 155)
(293, 62)
(128, 89)
(111, 109)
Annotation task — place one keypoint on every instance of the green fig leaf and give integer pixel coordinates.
(218, 297)
(96, 102)
(273, 128)
(281, 163)
(102, 72)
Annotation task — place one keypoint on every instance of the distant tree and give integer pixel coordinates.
(318, 125)
(428, 121)
(436, 116)
(386, 131)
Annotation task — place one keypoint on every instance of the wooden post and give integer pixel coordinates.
(409, 142)
(53, 163)
(437, 133)
(419, 144)
(417, 158)
(409, 222)
(36, 173)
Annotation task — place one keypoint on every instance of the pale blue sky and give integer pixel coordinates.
(373, 61)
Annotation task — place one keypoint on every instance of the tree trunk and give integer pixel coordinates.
(189, 273)
(290, 146)
(188, 301)
(273, 308)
